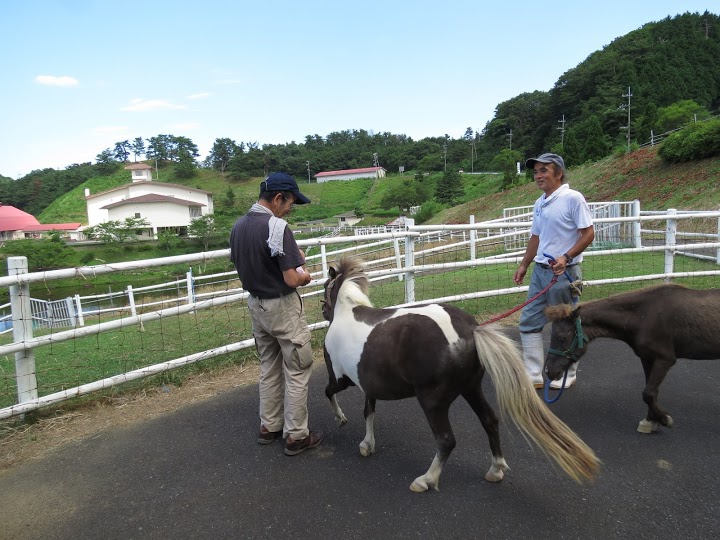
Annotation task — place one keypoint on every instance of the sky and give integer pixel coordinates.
(77, 76)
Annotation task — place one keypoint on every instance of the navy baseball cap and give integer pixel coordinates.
(546, 158)
(281, 181)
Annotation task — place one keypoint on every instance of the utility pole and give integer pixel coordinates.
(472, 156)
(562, 132)
(445, 155)
(627, 106)
(308, 170)
(510, 137)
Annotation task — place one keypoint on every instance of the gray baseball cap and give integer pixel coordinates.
(546, 158)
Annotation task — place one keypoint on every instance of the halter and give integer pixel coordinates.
(578, 342)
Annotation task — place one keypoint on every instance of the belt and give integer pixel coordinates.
(548, 267)
(271, 296)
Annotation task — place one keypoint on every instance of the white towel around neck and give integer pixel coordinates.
(276, 230)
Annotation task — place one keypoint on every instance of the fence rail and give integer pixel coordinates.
(426, 259)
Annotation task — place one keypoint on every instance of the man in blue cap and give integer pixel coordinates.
(561, 229)
(271, 267)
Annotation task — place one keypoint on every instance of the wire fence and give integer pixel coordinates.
(200, 316)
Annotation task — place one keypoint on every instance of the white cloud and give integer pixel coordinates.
(200, 95)
(111, 129)
(142, 105)
(50, 80)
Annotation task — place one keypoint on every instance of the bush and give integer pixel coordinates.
(427, 210)
(697, 141)
(41, 254)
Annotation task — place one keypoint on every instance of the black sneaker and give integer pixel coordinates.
(266, 437)
(293, 448)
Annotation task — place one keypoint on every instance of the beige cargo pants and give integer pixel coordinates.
(282, 339)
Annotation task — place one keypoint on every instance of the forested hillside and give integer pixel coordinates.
(652, 80)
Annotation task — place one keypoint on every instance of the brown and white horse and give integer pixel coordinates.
(437, 353)
(660, 323)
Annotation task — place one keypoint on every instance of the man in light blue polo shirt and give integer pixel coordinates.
(562, 228)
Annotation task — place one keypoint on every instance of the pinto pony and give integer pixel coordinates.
(437, 353)
(660, 323)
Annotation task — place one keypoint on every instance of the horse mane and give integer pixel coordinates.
(351, 268)
(558, 311)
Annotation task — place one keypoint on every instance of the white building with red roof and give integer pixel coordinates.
(18, 225)
(351, 174)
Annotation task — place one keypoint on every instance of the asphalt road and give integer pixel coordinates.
(199, 472)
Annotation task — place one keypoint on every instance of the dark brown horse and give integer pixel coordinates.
(661, 324)
(437, 353)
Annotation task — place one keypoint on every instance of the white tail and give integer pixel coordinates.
(518, 399)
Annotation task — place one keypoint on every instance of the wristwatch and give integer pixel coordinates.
(568, 259)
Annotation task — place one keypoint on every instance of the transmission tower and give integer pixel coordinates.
(562, 132)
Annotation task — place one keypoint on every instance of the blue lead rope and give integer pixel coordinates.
(551, 258)
(546, 388)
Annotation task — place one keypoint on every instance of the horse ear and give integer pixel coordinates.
(332, 272)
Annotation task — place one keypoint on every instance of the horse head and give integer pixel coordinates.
(568, 342)
(348, 268)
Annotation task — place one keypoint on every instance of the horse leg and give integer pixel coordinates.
(485, 413)
(333, 387)
(367, 446)
(655, 371)
(436, 412)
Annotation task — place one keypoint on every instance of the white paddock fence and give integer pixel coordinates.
(444, 263)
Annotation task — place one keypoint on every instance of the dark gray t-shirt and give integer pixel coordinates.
(259, 273)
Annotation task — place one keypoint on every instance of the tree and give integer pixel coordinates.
(185, 167)
(168, 239)
(230, 197)
(106, 163)
(138, 147)
(678, 114)
(506, 162)
(159, 147)
(208, 229)
(221, 153)
(403, 195)
(449, 189)
(122, 151)
(117, 231)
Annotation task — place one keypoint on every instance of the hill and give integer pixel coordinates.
(638, 175)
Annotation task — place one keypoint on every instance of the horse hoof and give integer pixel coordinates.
(494, 475)
(417, 487)
(668, 421)
(341, 420)
(647, 426)
(366, 450)
(421, 486)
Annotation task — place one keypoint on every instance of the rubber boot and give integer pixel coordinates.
(533, 356)
(571, 378)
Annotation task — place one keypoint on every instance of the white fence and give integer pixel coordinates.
(419, 252)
